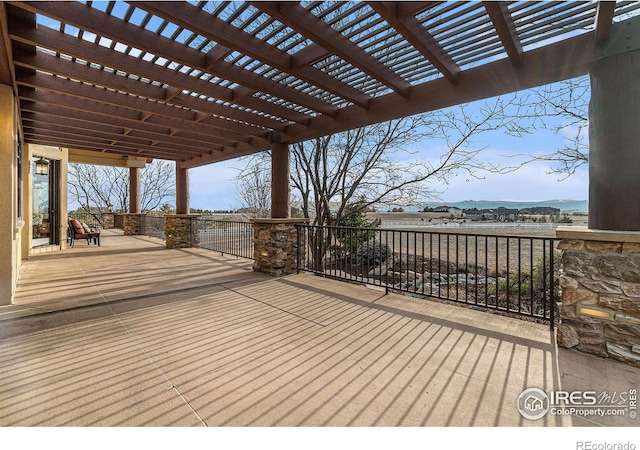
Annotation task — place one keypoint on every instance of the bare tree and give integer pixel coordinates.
(562, 108)
(348, 173)
(370, 164)
(253, 186)
(99, 186)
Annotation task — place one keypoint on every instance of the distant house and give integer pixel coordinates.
(500, 214)
(506, 214)
(541, 210)
(444, 209)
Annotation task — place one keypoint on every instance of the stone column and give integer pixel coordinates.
(275, 246)
(108, 221)
(178, 230)
(182, 191)
(600, 283)
(134, 190)
(280, 208)
(132, 224)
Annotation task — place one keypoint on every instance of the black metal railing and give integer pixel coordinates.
(226, 237)
(153, 225)
(512, 275)
(93, 219)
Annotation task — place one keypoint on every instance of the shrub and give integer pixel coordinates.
(360, 230)
(542, 280)
(372, 252)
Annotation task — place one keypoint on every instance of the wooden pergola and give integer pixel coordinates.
(202, 82)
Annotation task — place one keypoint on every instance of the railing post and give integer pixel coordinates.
(552, 281)
(298, 245)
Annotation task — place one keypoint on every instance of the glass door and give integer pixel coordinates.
(45, 201)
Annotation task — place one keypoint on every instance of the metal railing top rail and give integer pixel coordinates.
(510, 274)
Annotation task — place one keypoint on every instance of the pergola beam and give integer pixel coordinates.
(574, 57)
(100, 95)
(604, 20)
(413, 31)
(503, 23)
(78, 48)
(89, 143)
(305, 23)
(138, 137)
(40, 102)
(196, 20)
(90, 19)
(6, 64)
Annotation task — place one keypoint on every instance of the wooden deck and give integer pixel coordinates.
(133, 334)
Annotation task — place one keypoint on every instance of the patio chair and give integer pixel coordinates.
(80, 230)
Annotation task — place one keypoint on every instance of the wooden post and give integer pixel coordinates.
(280, 208)
(614, 137)
(134, 190)
(182, 190)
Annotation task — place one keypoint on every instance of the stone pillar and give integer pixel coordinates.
(132, 224)
(108, 221)
(280, 208)
(600, 282)
(182, 191)
(134, 190)
(275, 246)
(178, 230)
(614, 136)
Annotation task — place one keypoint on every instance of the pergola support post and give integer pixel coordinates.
(280, 208)
(134, 190)
(182, 190)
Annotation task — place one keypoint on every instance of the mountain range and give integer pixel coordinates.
(563, 205)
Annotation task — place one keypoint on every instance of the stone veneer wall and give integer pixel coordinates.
(108, 221)
(131, 224)
(275, 244)
(178, 230)
(602, 270)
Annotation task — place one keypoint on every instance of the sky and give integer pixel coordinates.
(211, 186)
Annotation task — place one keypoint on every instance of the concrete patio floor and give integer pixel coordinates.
(133, 334)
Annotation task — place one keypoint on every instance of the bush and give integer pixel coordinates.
(542, 280)
(372, 252)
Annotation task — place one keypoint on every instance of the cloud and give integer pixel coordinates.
(210, 187)
(532, 182)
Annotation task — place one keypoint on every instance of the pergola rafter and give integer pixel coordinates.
(201, 82)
